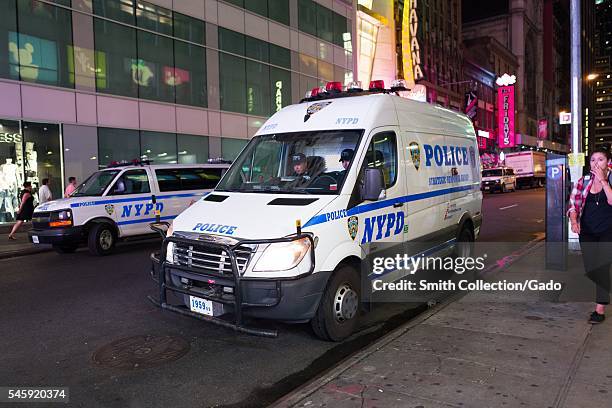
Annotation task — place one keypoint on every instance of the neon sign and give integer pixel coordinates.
(411, 51)
(505, 105)
(279, 95)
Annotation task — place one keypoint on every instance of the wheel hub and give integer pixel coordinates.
(106, 239)
(345, 303)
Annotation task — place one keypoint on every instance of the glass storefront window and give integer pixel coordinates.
(154, 69)
(258, 88)
(11, 169)
(117, 145)
(8, 24)
(39, 51)
(189, 28)
(42, 156)
(158, 147)
(118, 10)
(154, 18)
(189, 75)
(232, 83)
(231, 148)
(278, 10)
(192, 149)
(116, 61)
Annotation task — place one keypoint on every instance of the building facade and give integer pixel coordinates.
(602, 129)
(85, 83)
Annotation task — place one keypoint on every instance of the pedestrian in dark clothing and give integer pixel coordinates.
(590, 213)
(26, 208)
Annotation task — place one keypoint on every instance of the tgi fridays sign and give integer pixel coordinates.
(505, 109)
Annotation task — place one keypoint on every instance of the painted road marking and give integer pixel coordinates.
(510, 206)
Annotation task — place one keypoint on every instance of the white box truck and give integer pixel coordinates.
(529, 168)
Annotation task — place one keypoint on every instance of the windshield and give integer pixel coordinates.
(95, 184)
(293, 163)
(492, 173)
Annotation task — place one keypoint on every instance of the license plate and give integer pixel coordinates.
(201, 306)
(486, 188)
(35, 239)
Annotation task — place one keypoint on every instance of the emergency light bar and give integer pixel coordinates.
(336, 90)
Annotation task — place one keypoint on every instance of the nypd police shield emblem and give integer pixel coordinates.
(314, 108)
(415, 154)
(110, 209)
(353, 226)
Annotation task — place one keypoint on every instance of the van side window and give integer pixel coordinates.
(382, 153)
(187, 179)
(132, 182)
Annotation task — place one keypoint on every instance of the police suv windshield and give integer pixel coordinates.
(293, 163)
(95, 184)
(492, 173)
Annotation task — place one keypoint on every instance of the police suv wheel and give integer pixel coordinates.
(338, 313)
(101, 239)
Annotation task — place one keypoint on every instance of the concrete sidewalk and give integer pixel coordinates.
(20, 247)
(483, 349)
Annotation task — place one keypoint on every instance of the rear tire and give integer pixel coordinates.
(465, 242)
(338, 314)
(65, 249)
(101, 239)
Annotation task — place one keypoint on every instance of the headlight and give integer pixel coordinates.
(170, 247)
(282, 256)
(61, 218)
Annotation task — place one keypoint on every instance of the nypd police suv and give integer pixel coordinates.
(321, 185)
(119, 202)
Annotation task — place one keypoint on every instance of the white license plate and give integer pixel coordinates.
(201, 306)
(486, 188)
(35, 239)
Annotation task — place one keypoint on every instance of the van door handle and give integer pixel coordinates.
(397, 205)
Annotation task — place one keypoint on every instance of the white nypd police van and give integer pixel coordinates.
(321, 185)
(120, 202)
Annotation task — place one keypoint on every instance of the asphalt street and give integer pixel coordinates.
(62, 313)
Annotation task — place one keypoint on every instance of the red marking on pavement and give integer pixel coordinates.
(352, 389)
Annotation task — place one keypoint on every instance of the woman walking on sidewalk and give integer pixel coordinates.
(26, 209)
(590, 214)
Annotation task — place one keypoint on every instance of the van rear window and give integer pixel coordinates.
(187, 179)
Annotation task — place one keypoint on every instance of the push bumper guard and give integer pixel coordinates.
(233, 280)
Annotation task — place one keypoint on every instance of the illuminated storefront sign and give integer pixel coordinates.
(505, 105)
(411, 51)
(85, 67)
(10, 138)
(279, 95)
(505, 108)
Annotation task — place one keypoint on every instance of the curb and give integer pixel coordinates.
(296, 396)
(23, 252)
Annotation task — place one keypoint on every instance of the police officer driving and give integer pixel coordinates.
(300, 166)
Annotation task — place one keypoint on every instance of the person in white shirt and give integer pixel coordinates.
(44, 192)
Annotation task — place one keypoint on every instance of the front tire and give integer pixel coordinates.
(338, 314)
(465, 242)
(101, 239)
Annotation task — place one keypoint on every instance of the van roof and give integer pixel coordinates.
(169, 166)
(368, 112)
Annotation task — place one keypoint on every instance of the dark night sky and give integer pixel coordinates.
(478, 9)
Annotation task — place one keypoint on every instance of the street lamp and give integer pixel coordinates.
(591, 77)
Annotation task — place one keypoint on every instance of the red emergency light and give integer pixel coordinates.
(314, 92)
(333, 87)
(378, 85)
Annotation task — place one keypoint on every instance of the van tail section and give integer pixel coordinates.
(529, 168)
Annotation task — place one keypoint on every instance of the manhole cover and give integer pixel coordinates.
(141, 352)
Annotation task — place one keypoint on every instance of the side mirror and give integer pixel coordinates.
(373, 184)
(160, 227)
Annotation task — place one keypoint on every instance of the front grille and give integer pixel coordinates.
(40, 220)
(210, 258)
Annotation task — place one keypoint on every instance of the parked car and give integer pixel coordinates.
(500, 179)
